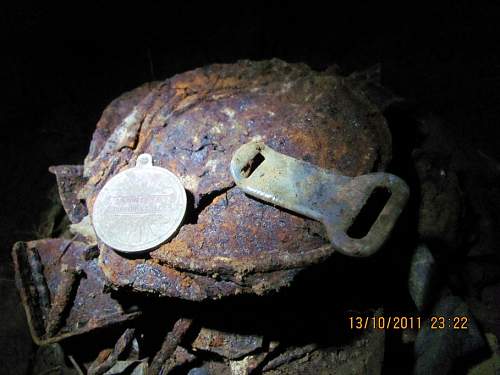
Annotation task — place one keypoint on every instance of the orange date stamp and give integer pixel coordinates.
(407, 322)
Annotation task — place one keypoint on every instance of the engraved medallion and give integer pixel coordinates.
(139, 208)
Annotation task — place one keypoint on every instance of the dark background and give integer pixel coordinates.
(60, 68)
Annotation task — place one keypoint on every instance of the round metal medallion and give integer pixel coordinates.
(139, 208)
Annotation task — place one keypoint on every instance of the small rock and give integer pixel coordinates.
(228, 345)
(198, 371)
(437, 350)
(180, 357)
(364, 355)
(126, 367)
(246, 365)
(422, 277)
(442, 209)
(491, 365)
(141, 369)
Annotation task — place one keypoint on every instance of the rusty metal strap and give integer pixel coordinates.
(324, 195)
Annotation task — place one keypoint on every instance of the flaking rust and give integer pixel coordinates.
(172, 340)
(61, 302)
(102, 365)
(69, 182)
(192, 124)
(63, 295)
(39, 284)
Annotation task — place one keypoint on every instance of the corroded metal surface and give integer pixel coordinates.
(169, 345)
(139, 208)
(227, 345)
(62, 299)
(61, 291)
(192, 124)
(327, 196)
(112, 116)
(99, 366)
(69, 182)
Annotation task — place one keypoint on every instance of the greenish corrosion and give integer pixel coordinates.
(324, 195)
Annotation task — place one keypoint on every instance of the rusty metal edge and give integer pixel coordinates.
(270, 262)
(29, 313)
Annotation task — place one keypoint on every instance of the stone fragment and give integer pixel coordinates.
(422, 280)
(227, 345)
(438, 349)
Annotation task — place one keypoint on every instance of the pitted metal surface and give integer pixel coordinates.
(62, 290)
(192, 124)
(69, 182)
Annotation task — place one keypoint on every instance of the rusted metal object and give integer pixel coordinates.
(227, 345)
(63, 303)
(101, 365)
(169, 345)
(192, 124)
(289, 355)
(326, 196)
(247, 365)
(69, 182)
(60, 304)
(179, 358)
(39, 284)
